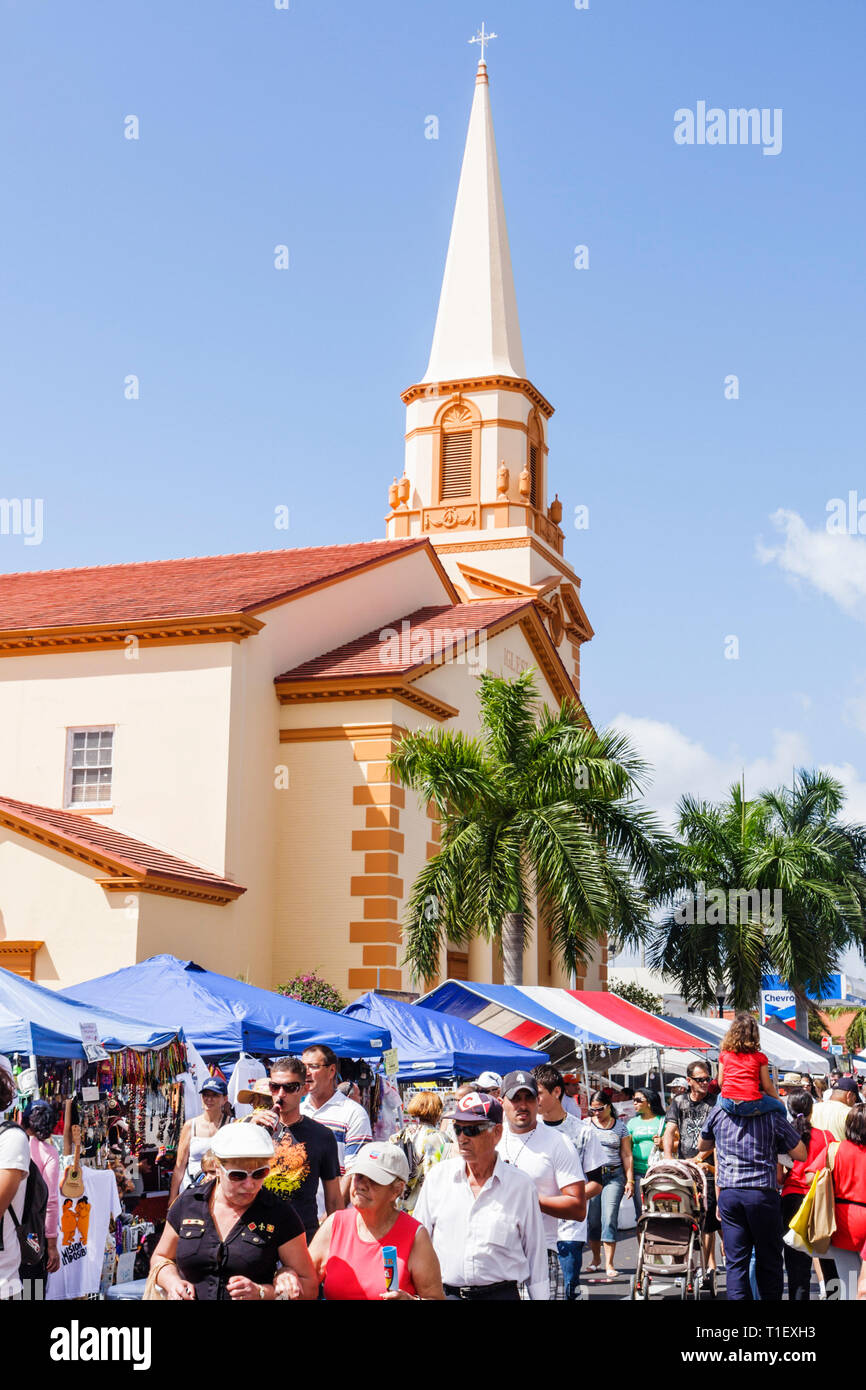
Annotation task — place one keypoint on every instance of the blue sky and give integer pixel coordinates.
(260, 387)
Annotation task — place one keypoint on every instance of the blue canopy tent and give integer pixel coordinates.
(433, 1044)
(47, 1023)
(221, 1016)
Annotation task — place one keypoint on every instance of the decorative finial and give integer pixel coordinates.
(483, 38)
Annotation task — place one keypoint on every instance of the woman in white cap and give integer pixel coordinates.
(224, 1239)
(352, 1250)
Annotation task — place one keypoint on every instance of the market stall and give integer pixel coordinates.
(433, 1045)
(576, 1027)
(118, 1108)
(224, 1017)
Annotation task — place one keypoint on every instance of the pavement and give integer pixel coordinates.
(601, 1290)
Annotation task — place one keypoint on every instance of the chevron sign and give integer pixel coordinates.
(779, 1004)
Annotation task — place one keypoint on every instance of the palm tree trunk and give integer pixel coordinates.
(512, 948)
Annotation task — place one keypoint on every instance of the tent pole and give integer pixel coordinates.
(585, 1072)
(661, 1075)
(36, 1074)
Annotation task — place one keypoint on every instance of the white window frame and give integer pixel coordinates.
(68, 803)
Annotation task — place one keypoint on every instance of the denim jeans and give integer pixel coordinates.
(752, 1221)
(739, 1108)
(570, 1257)
(603, 1210)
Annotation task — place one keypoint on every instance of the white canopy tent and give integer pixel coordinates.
(783, 1053)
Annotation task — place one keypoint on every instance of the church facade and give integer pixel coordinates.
(193, 753)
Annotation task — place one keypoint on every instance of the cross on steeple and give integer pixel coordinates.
(483, 38)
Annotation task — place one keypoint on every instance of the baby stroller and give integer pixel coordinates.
(669, 1229)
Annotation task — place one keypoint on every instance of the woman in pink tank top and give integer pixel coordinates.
(349, 1249)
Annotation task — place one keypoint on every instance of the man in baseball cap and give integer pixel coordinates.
(519, 1081)
(551, 1162)
(468, 1203)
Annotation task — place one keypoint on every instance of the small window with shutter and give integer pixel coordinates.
(456, 463)
(534, 491)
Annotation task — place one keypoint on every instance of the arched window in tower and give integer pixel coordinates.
(535, 463)
(458, 452)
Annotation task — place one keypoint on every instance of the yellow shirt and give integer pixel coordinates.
(830, 1115)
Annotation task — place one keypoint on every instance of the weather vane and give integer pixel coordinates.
(483, 38)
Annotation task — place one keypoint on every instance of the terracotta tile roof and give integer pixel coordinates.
(132, 856)
(194, 587)
(429, 634)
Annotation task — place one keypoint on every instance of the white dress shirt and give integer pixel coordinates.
(549, 1160)
(487, 1239)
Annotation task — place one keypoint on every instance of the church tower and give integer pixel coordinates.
(476, 473)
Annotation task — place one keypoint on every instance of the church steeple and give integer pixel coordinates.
(477, 329)
(475, 474)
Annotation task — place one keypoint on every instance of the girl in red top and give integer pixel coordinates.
(744, 1072)
(849, 1185)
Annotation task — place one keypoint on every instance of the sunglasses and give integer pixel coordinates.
(470, 1131)
(701, 1080)
(597, 1109)
(290, 1086)
(241, 1174)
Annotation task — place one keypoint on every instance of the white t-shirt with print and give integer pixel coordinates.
(14, 1154)
(81, 1238)
(550, 1160)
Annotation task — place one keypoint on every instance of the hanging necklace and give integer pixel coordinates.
(515, 1162)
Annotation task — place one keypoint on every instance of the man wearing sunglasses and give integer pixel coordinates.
(686, 1116)
(288, 1085)
(482, 1214)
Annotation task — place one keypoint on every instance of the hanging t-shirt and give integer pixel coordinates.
(247, 1070)
(83, 1229)
(14, 1154)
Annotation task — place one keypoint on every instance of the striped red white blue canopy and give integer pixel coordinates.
(529, 1014)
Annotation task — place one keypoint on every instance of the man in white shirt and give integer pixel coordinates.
(349, 1121)
(482, 1215)
(548, 1159)
(571, 1235)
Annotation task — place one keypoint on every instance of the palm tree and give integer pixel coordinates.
(538, 807)
(786, 859)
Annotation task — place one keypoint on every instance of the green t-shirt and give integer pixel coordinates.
(643, 1132)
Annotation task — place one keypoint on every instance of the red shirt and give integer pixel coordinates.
(795, 1178)
(849, 1185)
(355, 1268)
(742, 1079)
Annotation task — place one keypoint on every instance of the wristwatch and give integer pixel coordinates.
(261, 1290)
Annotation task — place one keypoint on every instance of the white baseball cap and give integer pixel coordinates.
(242, 1141)
(381, 1162)
(489, 1081)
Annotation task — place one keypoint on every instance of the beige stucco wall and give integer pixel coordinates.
(46, 896)
(169, 709)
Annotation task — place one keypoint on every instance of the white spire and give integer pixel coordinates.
(477, 330)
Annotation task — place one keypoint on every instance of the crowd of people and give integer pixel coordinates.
(498, 1195)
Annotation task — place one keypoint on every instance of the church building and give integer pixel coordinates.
(193, 753)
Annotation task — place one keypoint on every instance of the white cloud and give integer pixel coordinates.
(832, 562)
(683, 766)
